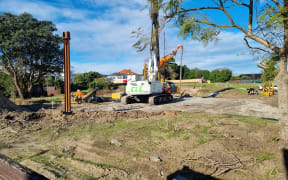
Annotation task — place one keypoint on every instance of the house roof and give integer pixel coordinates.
(126, 71)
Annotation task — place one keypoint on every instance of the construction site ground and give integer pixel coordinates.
(230, 136)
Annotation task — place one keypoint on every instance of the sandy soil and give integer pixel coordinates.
(243, 107)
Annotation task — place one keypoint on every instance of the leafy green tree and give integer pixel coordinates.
(81, 81)
(174, 71)
(192, 74)
(220, 75)
(205, 74)
(29, 50)
(270, 67)
(49, 81)
(59, 84)
(245, 78)
(213, 76)
(101, 83)
(185, 72)
(225, 75)
(6, 85)
(270, 31)
(270, 72)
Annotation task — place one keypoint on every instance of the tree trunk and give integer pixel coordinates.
(282, 83)
(30, 86)
(16, 83)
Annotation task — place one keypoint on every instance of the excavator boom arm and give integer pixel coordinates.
(165, 59)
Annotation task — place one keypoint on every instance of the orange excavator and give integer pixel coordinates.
(162, 63)
(165, 59)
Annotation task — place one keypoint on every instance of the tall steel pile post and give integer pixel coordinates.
(67, 88)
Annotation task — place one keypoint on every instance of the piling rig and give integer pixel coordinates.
(152, 89)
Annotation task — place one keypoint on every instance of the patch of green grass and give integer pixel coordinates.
(97, 164)
(200, 131)
(274, 138)
(86, 177)
(47, 133)
(55, 98)
(136, 154)
(257, 122)
(186, 138)
(201, 141)
(47, 163)
(54, 172)
(161, 138)
(205, 129)
(270, 173)
(265, 156)
(246, 86)
(176, 133)
(243, 91)
(20, 158)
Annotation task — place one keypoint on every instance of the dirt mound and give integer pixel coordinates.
(5, 104)
(20, 120)
(196, 91)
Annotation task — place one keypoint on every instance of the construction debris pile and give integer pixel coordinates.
(6, 104)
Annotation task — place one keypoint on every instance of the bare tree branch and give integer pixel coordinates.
(277, 3)
(230, 18)
(264, 42)
(198, 9)
(250, 21)
(256, 48)
(240, 3)
(215, 25)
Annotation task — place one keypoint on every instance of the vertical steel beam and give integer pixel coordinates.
(67, 90)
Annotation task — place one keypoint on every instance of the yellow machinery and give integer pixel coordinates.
(90, 97)
(268, 89)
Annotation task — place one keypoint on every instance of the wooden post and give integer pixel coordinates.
(67, 90)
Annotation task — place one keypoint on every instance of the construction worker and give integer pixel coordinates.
(79, 96)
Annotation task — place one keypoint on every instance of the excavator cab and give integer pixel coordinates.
(171, 86)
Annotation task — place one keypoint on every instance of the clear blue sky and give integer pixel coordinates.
(101, 35)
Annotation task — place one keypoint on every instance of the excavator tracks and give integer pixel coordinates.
(159, 99)
(152, 100)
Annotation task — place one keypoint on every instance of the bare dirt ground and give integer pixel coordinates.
(227, 137)
(243, 107)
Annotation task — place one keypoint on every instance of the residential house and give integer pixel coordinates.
(123, 76)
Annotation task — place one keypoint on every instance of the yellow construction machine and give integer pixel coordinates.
(268, 89)
(90, 97)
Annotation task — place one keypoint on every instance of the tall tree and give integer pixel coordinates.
(82, 81)
(29, 50)
(270, 31)
(205, 74)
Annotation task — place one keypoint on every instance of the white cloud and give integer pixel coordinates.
(41, 10)
(116, 3)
